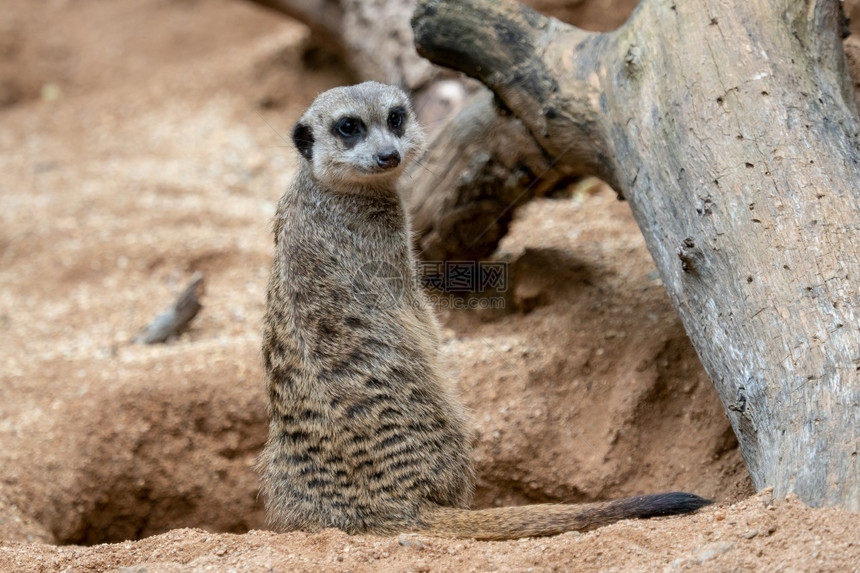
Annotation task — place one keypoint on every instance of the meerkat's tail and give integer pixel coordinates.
(539, 520)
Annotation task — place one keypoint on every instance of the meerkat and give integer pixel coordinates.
(365, 432)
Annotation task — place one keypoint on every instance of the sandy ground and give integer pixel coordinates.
(140, 142)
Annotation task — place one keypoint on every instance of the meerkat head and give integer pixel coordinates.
(359, 137)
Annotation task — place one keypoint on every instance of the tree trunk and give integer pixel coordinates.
(731, 129)
(478, 168)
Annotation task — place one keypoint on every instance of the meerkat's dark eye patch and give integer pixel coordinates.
(397, 120)
(303, 138)
(350, 129)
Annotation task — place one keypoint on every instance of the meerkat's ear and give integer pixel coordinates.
(303, 138)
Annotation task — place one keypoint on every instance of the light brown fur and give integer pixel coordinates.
(365, 432)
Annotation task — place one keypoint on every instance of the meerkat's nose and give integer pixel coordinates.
(388, 158)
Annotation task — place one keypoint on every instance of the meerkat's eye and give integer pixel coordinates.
(349, 127)
(396, 120)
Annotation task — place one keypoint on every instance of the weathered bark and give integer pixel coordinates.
(461, 195)
(478, 169)
(323, 17)
(731, 129)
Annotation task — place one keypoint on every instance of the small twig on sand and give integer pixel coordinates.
(175, 319)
